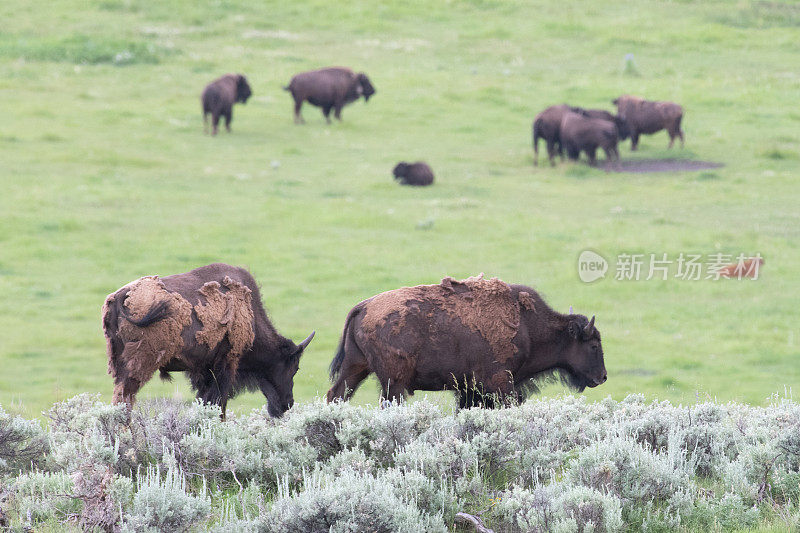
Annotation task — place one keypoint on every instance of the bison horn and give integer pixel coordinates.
(588, 329)
(302, 345)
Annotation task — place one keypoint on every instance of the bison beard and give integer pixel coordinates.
(483, 339)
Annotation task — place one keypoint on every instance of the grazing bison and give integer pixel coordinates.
(328, 88)
(581, 133)
(208, 322)
(220, 95)
(418, 173)
(644, 116)
(547, 125)
(484, 339)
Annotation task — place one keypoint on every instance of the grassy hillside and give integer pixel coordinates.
(107, 176)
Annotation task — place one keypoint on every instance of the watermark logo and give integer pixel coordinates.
(685, 266)
(591, 266)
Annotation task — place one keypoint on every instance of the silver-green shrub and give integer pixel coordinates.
(23, 443)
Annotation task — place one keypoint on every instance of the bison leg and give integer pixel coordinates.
(214, 122)
(326, 110)
(297, 118)
(228, 116)
(551, 152)
(354, 370)
(393, 392)
(337, 111)
(205, 122)
(634, 140)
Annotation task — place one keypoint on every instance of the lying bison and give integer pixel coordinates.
(484, 339)
(579, 133)
(208, 322)
(547, 126)
(418, 173)
(220, 95)
(328, 88)
(644, 116)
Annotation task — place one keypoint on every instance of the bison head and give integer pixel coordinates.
(367, 89)
(243, 91)
(583, 356)
(400, 170)
(278, 384)
(623, 129)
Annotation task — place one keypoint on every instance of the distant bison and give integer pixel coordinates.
(208, 322)
(484, 339)
(547, 126)
(220, 95)
(328, 88)
(644, 116)
(581, 133)
(418, 173)
(623, 132)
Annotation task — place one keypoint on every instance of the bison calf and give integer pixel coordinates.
(644, 116)
(418, 173)
(481, 338)
(209, 323)
(328, 88)
(218, 99)
(582, 133)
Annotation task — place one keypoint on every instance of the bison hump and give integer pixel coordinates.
(486, 307)
(228, 311)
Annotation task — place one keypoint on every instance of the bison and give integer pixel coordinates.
(418, 173)
(209, 323)
(547, 125)
(579, 133)
(623, 132)
(328, 88)
(484, 339)
(644, 116)
(220, 95)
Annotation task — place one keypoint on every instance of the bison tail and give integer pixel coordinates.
(338, 359)
(537, 132)
(157, 312)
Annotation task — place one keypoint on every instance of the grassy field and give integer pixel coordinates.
(107, 176)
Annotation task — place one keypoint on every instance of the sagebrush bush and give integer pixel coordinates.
(23, 443)
(562, 464)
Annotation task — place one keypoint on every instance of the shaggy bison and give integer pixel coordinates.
(220, 95)
(328, 88)
(418, 173)
(208, 322)
(547, 125)
(482, 338)
(582, 133)
(644, 116)
(623, 132)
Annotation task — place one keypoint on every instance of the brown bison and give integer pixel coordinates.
(418, 173)
(623, 132)
(484, 339)
(208, 322)
(581, 133)
(220, 95)
(328, 88)
(547, 125)
(644, 116)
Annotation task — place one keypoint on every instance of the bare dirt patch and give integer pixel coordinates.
(657, 165)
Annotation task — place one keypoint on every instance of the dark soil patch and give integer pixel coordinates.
(657, 165)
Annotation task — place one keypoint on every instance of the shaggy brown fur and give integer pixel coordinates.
(208, 322)
(644, 116)
(418, 173)
(477, 337)
(328, 88)
(226, 314)
(581, 133)
(219, 96)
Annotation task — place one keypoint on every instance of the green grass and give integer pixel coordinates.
(107, 176)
